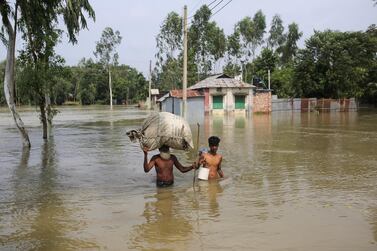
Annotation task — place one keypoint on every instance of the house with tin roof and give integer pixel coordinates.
(172, 102)
(218, 94)
(225, 94)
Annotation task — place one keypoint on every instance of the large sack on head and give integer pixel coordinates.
(163, 128)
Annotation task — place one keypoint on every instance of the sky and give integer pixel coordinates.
(139, 22)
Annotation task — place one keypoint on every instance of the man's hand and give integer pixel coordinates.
(145, 150)
(195, 165)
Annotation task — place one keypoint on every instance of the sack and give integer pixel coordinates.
(163, 128)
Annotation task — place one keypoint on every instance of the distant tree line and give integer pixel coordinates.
(86, 84)
(333, 64)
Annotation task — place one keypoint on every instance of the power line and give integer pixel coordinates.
(211, 3)
(216, 5)
(192, 15)
(221, 8)
(195, 6)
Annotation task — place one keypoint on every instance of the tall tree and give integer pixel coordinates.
(251, 36)
(276, 36)
(106, 52)
(252, 32)
(233, 52)
(290, 48)
(169, 40)
(265, 62)
(206, 41)
(25, 14)
(336, 65)
(169, 45)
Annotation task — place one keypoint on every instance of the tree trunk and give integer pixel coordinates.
(50, 113)
(111, 90)
(9, 84)
(42, 107)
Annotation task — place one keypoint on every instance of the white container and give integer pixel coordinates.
(203, 173)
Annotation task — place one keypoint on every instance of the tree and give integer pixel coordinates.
(266, 61)
(276, 36)
(251, 36)
(282, 82)
(91, 83)
(169, 40)
(32, 14)
(290, 48)
(336, 65)
(206, 42)
(2, 70)
(105, 51)
(169, 44)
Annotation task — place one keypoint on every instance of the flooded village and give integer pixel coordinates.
(294, 112)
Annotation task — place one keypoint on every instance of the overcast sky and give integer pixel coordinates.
(139, 21)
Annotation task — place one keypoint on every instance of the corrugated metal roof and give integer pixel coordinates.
(221, 80)
(190, 93)
(179, 94)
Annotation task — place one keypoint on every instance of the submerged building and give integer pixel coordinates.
(217, 94)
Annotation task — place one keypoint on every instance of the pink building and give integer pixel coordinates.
(225, 94)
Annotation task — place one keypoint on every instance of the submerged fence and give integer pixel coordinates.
(313, 104)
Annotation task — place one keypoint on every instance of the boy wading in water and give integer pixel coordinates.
(163, 164)
(212, 160)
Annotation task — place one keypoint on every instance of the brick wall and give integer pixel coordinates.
(262, 102)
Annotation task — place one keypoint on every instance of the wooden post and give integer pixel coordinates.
(184, 94)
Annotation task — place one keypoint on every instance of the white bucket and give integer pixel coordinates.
(203, 173)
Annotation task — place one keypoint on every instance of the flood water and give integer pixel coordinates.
(295, 181)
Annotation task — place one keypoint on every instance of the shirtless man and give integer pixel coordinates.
(163, 164)
(212, 159)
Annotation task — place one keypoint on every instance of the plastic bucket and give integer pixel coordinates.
(203, 173)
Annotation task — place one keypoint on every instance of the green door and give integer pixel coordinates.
(240, 102)
(217, 102)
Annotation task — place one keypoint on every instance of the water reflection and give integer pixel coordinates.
(165, 227)
(39, 218)
(291, 175)
(206, 198)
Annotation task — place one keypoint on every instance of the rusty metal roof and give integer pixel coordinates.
(190, 93)
(220, 81)
(179, 94)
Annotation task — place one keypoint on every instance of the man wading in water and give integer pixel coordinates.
(212, 159)
(163, 164)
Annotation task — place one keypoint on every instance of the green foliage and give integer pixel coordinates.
(231, 69)
(130, 86)
(170, 76)
(267, 60)
(169, 40)
(106, 47)
(206, 41)
(282, 82)
(336, 65)
(251, 31)
(289, 48)
(168, 70)
(276, 34)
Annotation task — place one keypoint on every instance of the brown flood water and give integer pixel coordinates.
(295, 182)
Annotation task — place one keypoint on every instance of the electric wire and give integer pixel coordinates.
(221, 8)
(192, 15)
(216, 5)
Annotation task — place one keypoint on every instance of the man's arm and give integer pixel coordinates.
(180, 167)
(150, 165)
(219, 171)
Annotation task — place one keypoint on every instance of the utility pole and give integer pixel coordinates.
(269, 79)
(184, 95)
(150, 85)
